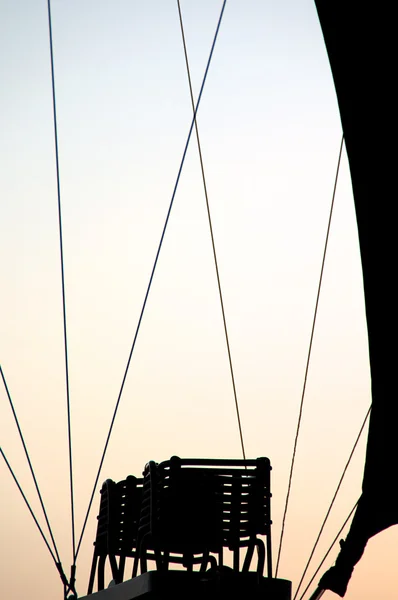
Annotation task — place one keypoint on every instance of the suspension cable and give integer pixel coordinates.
(329, 549)
(212, 234)
(333, 500)
(62, 280)
(308, 359)
(28, 505)
(56, 562)
(151, 276)
(29, 463)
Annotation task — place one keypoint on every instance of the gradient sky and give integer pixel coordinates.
(270, 134)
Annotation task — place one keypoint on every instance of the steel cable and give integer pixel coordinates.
(151, 277)
(212, 234)
(62, 281)
(29, 462)
(308, 360)
(329, 549)
(332, 502)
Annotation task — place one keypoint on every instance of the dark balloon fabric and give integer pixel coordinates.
(361, 44)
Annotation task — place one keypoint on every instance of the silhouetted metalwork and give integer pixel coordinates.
(198, 507)
(117, 528)
(189, 512)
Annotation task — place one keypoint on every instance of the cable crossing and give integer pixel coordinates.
(151, 275)
(211, 233)
(308, 360)
(329, 550)
(69, 586)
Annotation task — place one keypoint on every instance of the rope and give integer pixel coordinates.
(212, 234)
(308, 360)
(62, 280)
(332, 502)
(329, 549)
(151, 277)
(29, 463)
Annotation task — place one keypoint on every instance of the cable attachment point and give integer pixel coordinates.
(69, 587)
(62, 574)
